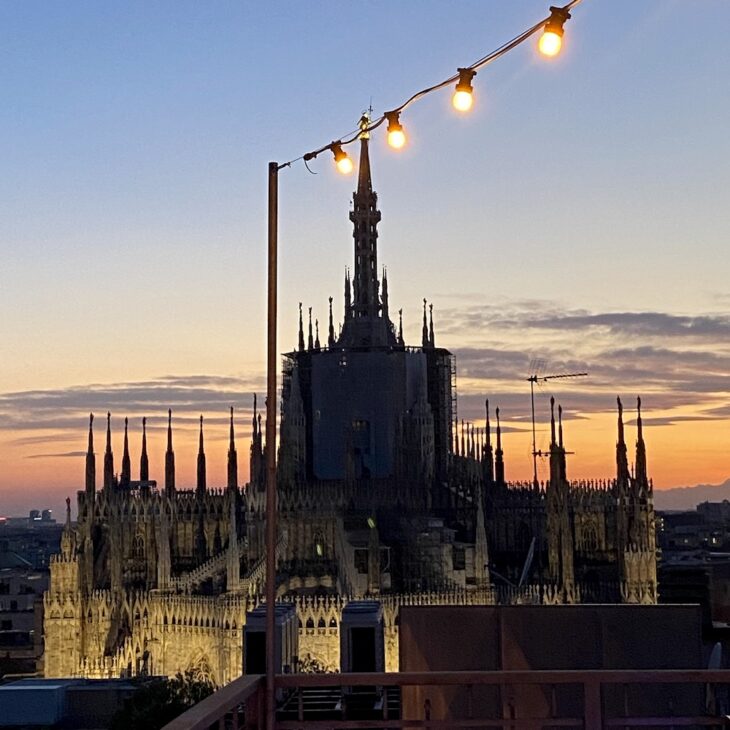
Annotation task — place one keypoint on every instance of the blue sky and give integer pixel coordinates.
(134, 139)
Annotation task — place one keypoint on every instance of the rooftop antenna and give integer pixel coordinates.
(536, 366)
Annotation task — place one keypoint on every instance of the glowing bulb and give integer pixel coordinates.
(550, 43)
(344, 165)
(396, 135)
(463, 96)
(342, 159)
(462, 101)
(551, 40)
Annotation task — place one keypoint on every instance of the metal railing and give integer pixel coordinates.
(595, 700)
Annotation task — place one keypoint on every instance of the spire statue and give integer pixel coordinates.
(90, 462)
(108, 456)
(126, 477)
(144, 465)
(200, 486)
(331, 332)
(232, 458)
(169, 458)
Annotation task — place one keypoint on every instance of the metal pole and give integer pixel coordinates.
(534, 445)
(271, 364)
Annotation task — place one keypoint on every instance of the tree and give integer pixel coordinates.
(161, 700)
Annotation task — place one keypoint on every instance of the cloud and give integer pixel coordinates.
(59, 409)
(676, 362)
(63, 454)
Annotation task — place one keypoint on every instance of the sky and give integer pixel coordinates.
(576, 219)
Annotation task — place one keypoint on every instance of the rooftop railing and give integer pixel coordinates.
(597, 699)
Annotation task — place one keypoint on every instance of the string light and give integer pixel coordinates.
(464, 95)
(549, 44)
(342, 159)
(552, 38)
(396, 135)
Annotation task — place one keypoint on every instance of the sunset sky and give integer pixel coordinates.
(578, 216)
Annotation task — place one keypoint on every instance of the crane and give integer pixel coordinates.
(532, 380)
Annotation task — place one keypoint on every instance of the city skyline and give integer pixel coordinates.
(574, 217)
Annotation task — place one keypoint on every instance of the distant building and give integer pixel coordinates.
(21, 614)
(381, 494)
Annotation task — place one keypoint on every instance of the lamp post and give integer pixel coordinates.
(271, 443)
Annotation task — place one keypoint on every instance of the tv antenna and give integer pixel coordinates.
(536, 366)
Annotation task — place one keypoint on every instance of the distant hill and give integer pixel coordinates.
(687, 498)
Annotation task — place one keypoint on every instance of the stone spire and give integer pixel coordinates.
(622, 463)
(301, 329)
(488, 457)
(424, 330)
(126, 476)
(563, 467)
(108, 456)
(365, 323)
(331, 332)
(365, 217)
(553, 442)
(384, 296)
(144, 464)
(232, 458)
(169, 459)
(348, 296)
(401, 341)
(68, 538)
(641, 473)
(431, 338)
(499, 454)
(317, 345)
(90, 462)
(310, 338)
(201, 483)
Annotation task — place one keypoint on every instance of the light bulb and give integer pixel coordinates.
(463, 96)
(396, 135)
(344, 165)
(550, 43)
(551, 40)
(342, 159)
(462, 100)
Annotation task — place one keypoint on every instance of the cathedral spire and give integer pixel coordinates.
(201, 483)
(126, 477)
(90, 461)
(301, 329)
(254, 415)
(348, 296)
(169, 458)
(641, 475)
(310, 338)
(232, 458)
(331, 332)
(401, 341)
(317, 345)
(144, 464)
(424, 330)
(365, 217)
(431, 338)
(108, 456)
(489, 458)
(622, 464)
(384, 296)
(499, 461)
(552, 423)
(560, 426)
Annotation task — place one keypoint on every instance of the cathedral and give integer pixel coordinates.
(381, 494)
